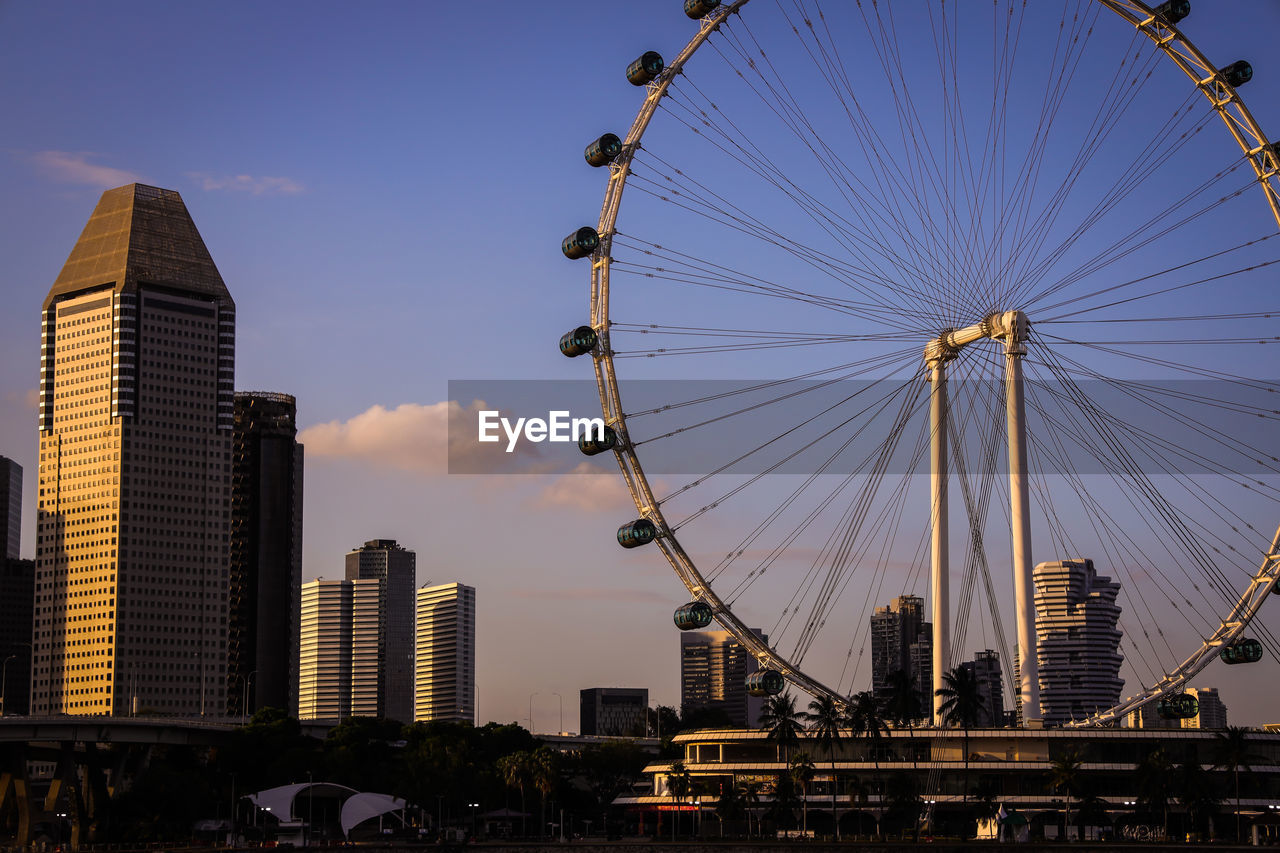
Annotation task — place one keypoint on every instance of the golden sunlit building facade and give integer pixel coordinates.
(136, 394)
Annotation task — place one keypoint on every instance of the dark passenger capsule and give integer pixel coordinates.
(1174, 10)
(637, 533)
(603, 150)
(700, 8)
(1178, 706)
(1247, 650)
(692, 616)
(580, 341)
(590, 445)
(644, 69)
(1237, 73)
(580, 243)
(765, 682)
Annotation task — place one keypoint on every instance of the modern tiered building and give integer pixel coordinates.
(445, 663)
(713, 671)
(266, 554)
(1077, 640)
(137, 371)
(394, 567)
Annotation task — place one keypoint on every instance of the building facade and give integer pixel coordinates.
(10, 509)
(445, 659)
(613, 711)
(901, 639)
(713, 670)
(985, 667)
(266, 555)
(1077, 640)
(395, 567)
(339, 649)
(137, 372)
(1213, 713)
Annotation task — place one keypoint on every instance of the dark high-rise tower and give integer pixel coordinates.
(266, 554)
(902, 640)
(713, 673)
(10, 508)
(396, 568)
(137, 377)
(17, 586)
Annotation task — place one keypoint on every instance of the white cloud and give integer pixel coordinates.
(73, 167)
(586, 487)
(263, 185)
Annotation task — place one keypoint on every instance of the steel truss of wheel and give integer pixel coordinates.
(1255, 148)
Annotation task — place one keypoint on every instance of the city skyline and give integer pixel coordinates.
(365, 331)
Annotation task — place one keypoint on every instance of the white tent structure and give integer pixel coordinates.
(362, 807)
(287, 803)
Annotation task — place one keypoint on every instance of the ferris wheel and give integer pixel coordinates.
(885, 262)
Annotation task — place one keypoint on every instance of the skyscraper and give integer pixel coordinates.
(10, 508)
(396, 568)
(713, 671)
(985, 667)
(266, 554)
(445, 664)
(1077, 640)
(137, 370)
(901, 639)
(1213, 714)
(339, 649)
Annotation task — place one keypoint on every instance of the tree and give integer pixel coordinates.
(749, 794)
(1195, 791)
(782, 722)
(902, 702)
(1232, 753)
(1064, 775)
(1155, 785)
(544, 771)
(801, 771)
(517, 772)
(962, 706)
(825, 718)
(866, 720)
(678, 784)
(728, 804)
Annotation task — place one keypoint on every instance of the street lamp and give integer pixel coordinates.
(473, 807)
(561, 698)
(531, 695)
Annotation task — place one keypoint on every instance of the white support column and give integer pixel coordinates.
(939, 595)
(1014, 327)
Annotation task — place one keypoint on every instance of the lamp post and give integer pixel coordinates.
(531, 695)
(473, 807)
(561, 698)
(4, 684)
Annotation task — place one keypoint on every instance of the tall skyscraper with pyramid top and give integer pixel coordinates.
(137, 368)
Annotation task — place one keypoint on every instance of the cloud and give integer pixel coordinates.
(586, 487)
(622, 596)
(29, 399)
(73, 167)
(249, 184)
(420, 439)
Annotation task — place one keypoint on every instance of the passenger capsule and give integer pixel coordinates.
(1178, 706)
(692, 616)
(580, 243)
(644, 69)
(700, 8)
(765, 682)
(1174, 10)
(580, 341)
(590, 444)
(637, 533)
(1237, 73)
(603, 150)
(1247, 650)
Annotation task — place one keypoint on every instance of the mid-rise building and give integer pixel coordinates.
(614, 711)
(445, 661)
(985, 667)
(901, 640)
(1213, 714)
(137, 371)
(266, 555)
(395, 567)
(713, 670)
(339, 649)
(10, 508)
(1077, 640)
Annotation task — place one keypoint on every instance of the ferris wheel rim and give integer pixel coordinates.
(1265, 162)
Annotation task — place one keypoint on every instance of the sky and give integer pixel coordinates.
(384, 189)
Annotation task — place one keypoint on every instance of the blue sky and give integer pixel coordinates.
(384, 189)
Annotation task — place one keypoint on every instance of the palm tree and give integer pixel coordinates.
(545, 774)
(801, 770)
(825, 717)
(902, 704)
(728, 804)
(962, 706)
(749, 792)
(1195, 791)
(678, 783)
(866, 720)
(1064, 775)
(782, 721)
(1155, 785)
(1232, 753)
(517, 772)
